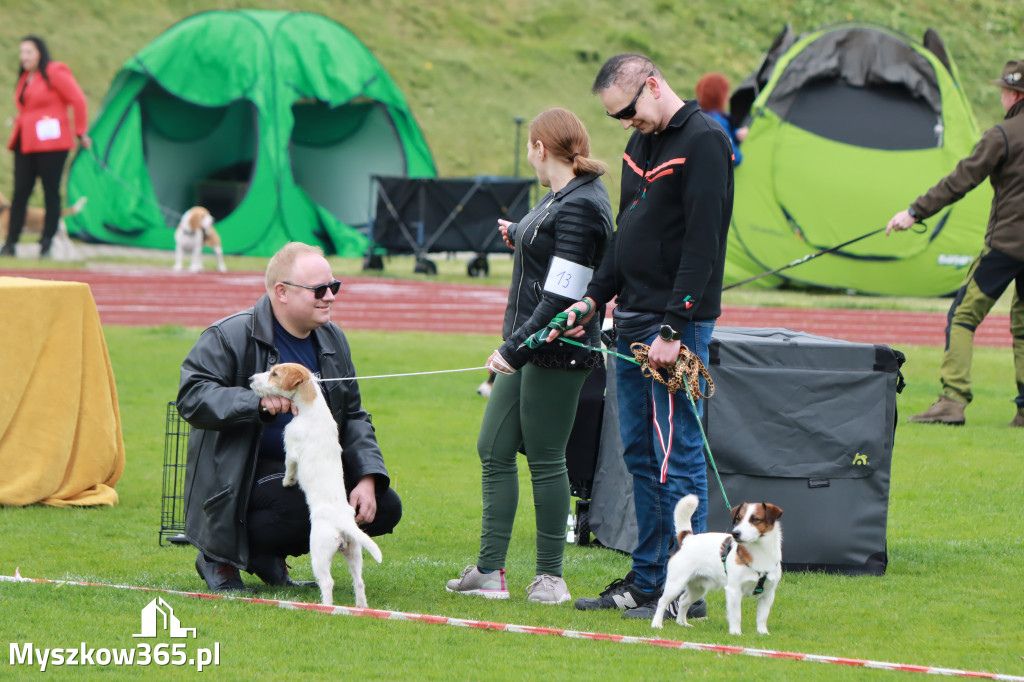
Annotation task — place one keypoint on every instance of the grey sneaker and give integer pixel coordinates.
(548, 589)
(487, 585)
(943, 411)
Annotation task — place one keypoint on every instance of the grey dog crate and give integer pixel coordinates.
(802, 421)
(808, 423)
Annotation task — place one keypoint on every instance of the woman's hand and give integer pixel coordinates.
(503, 226)
(580, 313)
(498, 365)
(85, 141)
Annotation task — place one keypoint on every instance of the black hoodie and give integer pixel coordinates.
(668, 254)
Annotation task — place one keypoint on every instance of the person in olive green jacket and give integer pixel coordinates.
(999, 156)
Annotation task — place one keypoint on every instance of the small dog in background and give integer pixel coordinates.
(61, 247)
(746, 562)
(312, 456)
(195, 230)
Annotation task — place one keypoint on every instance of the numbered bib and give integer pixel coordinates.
(47, 129)
(567, 279)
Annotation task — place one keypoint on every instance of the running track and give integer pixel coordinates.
(150, 296)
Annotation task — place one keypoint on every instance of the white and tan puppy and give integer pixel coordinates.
(313, 458)
(195, 230)
(61, 247)
(746, 562)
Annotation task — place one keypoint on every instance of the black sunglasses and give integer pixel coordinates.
(629, 111)
(320, 290)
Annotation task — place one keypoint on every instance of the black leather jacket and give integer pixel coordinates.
(215, 398)
(574, 224)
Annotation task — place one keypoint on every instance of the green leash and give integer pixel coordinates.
(560, 323)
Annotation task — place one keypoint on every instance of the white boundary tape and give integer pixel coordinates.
(531, 630)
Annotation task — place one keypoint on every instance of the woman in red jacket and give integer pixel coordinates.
(42, 136)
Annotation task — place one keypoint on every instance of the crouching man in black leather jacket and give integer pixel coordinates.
(237, 513)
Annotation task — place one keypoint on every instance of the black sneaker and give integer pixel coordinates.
(218, 576)
(274, 571)
(7, 250)
(645, 611)
(620, 594)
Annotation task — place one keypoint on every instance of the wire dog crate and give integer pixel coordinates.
(172, 503)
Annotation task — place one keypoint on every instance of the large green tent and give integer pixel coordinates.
(275, 121)
(848, 124)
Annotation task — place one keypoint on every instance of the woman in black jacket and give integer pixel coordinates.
(533, 403)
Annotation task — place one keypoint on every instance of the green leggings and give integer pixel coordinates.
(535, 408)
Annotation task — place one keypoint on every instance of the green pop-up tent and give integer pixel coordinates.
(274, 121)
(848, 125)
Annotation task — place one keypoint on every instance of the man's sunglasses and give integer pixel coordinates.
(320, 290)
(629, 111)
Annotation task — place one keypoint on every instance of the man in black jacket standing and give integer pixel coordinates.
(237, 513)
(665, 264)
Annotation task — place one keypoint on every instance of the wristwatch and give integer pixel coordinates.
(667, 333)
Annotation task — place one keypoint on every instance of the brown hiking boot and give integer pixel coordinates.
(1019, 419)
(943, 411)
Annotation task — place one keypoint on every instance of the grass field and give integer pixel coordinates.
(947, 598)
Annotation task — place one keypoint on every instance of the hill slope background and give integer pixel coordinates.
(469, 68)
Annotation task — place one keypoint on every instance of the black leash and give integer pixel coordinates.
(812, 256)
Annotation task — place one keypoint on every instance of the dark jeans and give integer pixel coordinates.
(48, 167)
(642, 401)
(278, 517)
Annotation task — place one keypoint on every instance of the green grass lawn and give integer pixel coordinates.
(948, 598)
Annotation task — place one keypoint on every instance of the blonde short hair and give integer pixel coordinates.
(281, 263)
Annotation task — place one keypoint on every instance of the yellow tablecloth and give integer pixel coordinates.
(60, 428)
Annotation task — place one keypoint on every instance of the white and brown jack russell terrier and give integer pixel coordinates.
(313, 459)
(746, 562)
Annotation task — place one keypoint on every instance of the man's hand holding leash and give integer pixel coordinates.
(901, 221)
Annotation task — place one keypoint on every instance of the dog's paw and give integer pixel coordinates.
(288, 482)
(763, 631)
(735, 631)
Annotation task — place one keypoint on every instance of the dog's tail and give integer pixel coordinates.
(684, 512)
(75, 208)
(367, 543)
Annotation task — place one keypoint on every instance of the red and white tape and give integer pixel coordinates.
(531, 630)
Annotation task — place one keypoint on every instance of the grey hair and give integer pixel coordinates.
(626, 70)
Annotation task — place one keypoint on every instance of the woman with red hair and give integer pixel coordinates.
(712, 93)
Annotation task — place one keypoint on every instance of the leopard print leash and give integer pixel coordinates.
(688, 370)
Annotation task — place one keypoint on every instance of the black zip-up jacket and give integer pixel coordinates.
(215, 398)
(574, 224)
(668, 254)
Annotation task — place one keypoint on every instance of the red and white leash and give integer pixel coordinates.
(531, 630)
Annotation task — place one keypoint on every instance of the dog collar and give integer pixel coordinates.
(759, 588)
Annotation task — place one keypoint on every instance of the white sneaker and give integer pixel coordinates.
(548, 589)
(487, 585)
